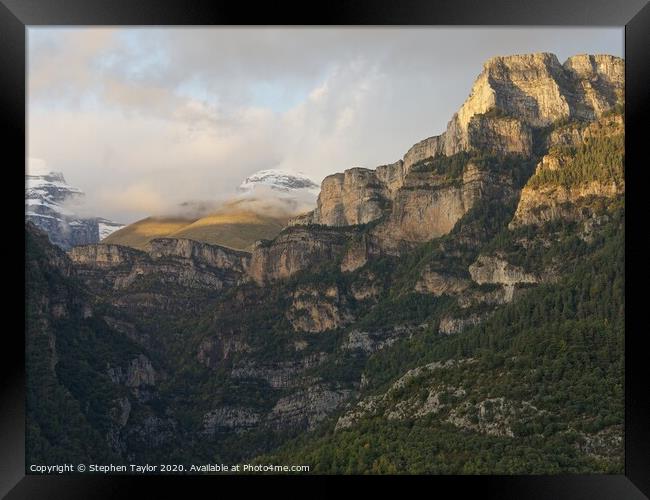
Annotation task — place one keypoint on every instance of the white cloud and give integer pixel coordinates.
(145, 119)
(37, 166)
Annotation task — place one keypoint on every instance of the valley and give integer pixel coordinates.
(457, 311)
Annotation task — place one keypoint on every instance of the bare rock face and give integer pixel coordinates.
(427, 148)
(511, 100)
(199, 254)
(354, 197)
(359, 251)
(366, 287)
(540, 205)
(538, 90)
(307, 408)
(499, 296)
(104, 255)
(491, 269)
(440, 284)
(599, 80)
(373, 341)
(426, 207)
(302, 219)
(213, 351)
(392, 176)
(532, 89)
(450, 326)
(314, 311)
(500, 135)
(295, 249)
(181, 262)
(138, 373)
(280, 375)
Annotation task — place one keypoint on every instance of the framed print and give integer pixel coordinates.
(387, 240)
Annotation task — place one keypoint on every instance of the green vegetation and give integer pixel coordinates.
(554, 355)
(68, 399)
(447, 166)
(559, 349)
(600, 159)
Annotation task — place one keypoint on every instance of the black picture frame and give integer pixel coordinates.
(16, 15)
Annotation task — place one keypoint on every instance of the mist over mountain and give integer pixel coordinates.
(458, 310)
(52, 205)
(261, 208)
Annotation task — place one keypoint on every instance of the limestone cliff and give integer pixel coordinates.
(583, 164)
(354, 197)
(181, 262)
(515, 93)
(295, 249)
(313, 310)
(512, 102)
(491, 269)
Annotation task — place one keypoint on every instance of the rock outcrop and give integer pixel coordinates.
(491, 269)
(315, 311)
(356, 196)
(450, 326)
(440, 284)
(182, 262)
(516, 93)
(307, 408)
(544, 201)
(295, 249)
(512, 100)
(228, 419)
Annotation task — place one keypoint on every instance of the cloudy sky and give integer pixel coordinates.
(142, 119)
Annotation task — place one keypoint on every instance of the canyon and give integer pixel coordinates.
(369, 309)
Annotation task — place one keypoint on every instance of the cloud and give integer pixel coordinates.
(37, 166)
(146, 119)
(136, 197)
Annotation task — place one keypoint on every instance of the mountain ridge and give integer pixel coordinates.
(465, 316)
(266, 202)
(50, 204)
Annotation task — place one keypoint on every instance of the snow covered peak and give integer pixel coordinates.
(49, 189)
(51, 203)
(279, 180)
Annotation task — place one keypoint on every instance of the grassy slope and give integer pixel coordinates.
(138, 234)
(235, 227)
(235, 230)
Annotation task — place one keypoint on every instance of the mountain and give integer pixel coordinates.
(139, 233)
(458, 311)
(267, 200)
(516, 110)
(50, 204)
(235, 225)
(279, 180)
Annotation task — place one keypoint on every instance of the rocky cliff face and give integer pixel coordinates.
(354, 197)
(556, 190)
(199, 254)
(516, 93)
(427, 207)
(314, 311)
(512, 101)
(491, 269)
(296, 249)
(440, 284)
(181, 262)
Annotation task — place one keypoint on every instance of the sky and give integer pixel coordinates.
(143, 119)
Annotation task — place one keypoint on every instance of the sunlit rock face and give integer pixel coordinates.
(513, 100)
